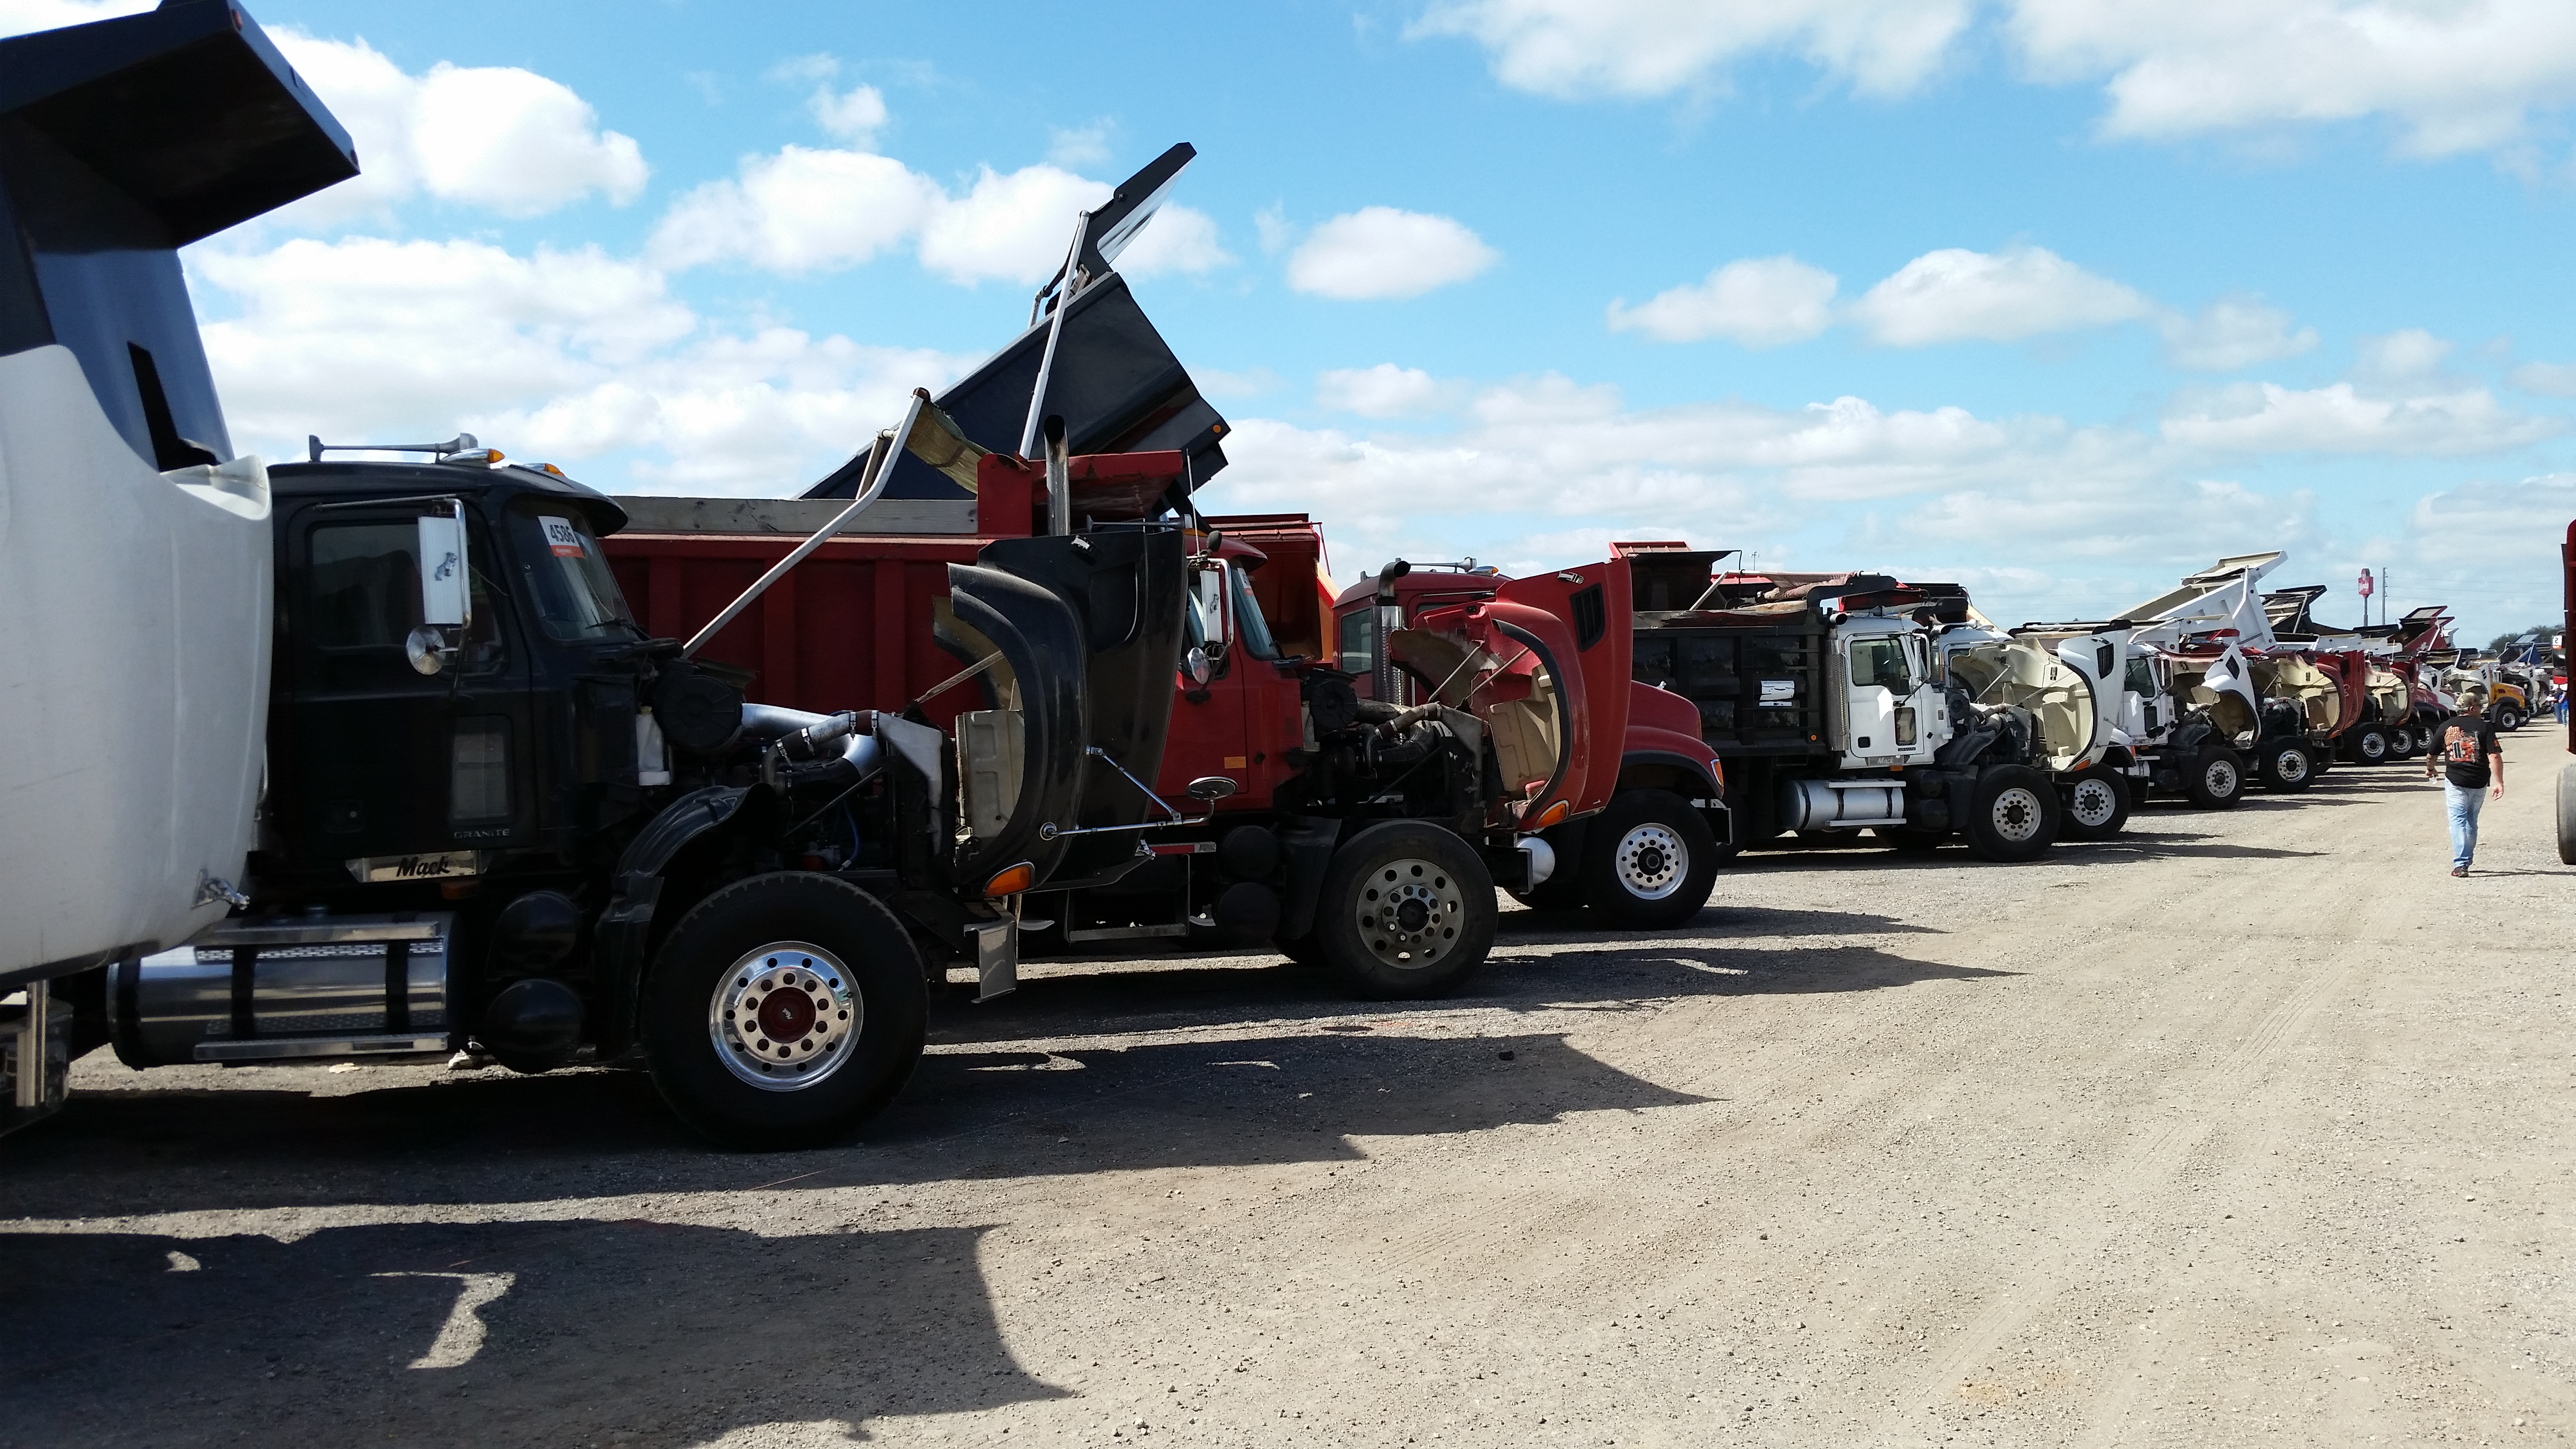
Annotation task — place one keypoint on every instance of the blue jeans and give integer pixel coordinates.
(2463, 805)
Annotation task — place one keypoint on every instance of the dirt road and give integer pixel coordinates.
(2246, 1129)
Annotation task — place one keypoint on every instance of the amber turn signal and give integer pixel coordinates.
(1553, 815)
(1011, 882)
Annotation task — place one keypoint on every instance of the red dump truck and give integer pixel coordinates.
(1352, 819)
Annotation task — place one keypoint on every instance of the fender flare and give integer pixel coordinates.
(625, 927)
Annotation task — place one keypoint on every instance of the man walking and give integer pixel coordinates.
(2465, 744)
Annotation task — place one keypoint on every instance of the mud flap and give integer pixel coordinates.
(995, 946)
(1308, 844)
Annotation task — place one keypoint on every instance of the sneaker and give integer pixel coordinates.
(2455, 870)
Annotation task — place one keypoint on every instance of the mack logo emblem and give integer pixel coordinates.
(437, 865)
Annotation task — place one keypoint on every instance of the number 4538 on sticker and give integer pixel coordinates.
(562, 537)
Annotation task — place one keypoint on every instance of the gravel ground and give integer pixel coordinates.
(2242, 1129)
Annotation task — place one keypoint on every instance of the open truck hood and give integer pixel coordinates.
(2064, 698)
(121, 141)
(1089, 630)
(1542, 664)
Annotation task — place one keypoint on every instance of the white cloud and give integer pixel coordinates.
(568, 355)
(1378, 252)
(1011, 228)
(1272, 225)
(1955, 294)
(802, 210)
(2233, 333)
(1642, 48)
(2400, 358)
(1217, 382)
(853, 115)
(799, 211)
(1177, 239)
(1759, 302)
(2550, 379)
(1071, 146)
(2341, 418)
(2457, 75)
(492, 136)
(2487, 549)
(17, 17)
(1383, 391)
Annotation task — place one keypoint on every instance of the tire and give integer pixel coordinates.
(2097, 805)
(2567, 815)
(1649, 861)
(2016, 816)
(2371, 746)
(1407, 911)
(2217, 779)
(2287, 768)
(2401, 742)
(779, 954)
(2507, 717)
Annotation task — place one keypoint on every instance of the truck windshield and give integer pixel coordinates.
(574, 594)
(1881, 662)
(1252, 630)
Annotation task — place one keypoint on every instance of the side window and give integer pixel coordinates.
(1880, 662)
(363, 587)
(1357, 631)
(2141, 678)
(365, 583)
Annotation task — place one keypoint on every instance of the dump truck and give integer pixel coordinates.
(1639, 842)
(134, 564)
(506, 819)
(1309, 784)
(1829, 711)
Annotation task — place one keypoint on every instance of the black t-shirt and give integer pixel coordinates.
(2462, 744)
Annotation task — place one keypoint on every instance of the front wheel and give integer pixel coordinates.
(783, 1011)
(2370, 746)
(2507, 717)
(2217, 779)
(2401, 742)
(2288, 768)
(1407, 911)
(2097, 805)
(2016, 815)
(1649, 861)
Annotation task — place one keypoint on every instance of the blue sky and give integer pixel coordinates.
(2056, 297)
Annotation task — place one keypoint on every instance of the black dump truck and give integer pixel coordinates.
(498, 813)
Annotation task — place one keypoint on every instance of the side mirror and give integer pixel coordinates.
(445, 597)
(1195, 664)
(1211, 788)
(427, 649)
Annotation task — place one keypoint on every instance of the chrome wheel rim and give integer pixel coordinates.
(2016, 814)
(2374, 748)
(1409, 913)
(2220, 778)
(783, 1017)
(1651, 862)
(2093, 804)
(2291, 765)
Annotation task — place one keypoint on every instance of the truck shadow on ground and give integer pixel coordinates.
(1063, 1078)
(494, 1333)
(2168, 845)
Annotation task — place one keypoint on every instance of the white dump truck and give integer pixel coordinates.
(135, 569)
